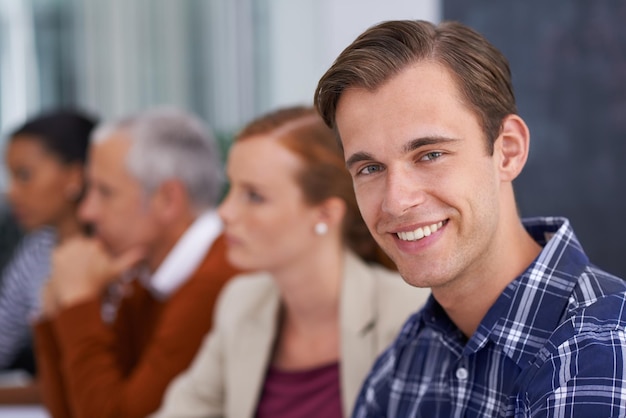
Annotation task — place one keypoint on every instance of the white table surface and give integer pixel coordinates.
(23, 411)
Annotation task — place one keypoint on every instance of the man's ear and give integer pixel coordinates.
(169, 200)
(512, 147)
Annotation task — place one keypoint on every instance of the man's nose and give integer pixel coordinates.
(403, 190)
(87, 211)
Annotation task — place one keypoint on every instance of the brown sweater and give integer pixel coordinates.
(88, 369)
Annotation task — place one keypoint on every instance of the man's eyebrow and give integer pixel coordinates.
(408, 147)
(422, 142)
(356, 157)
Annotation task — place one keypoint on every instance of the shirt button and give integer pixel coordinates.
(461, 373)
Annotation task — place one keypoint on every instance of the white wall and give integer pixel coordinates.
(19, 94)
(251, 55)
(305, 36)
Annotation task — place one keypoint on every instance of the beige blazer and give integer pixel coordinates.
(226, 378)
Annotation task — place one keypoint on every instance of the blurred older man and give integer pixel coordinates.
(126, 309)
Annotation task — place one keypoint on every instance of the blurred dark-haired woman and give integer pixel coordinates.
(45, 158)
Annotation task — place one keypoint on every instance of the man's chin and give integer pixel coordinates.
(111, 249)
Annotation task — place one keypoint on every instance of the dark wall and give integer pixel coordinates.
(568, 59)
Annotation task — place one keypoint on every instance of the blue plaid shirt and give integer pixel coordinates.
(553, 344)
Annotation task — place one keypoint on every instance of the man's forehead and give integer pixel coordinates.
(107, 161)
(112, 150)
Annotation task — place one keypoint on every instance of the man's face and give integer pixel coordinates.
(425, 183)
(115, 203)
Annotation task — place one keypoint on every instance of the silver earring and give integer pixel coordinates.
(321, 228)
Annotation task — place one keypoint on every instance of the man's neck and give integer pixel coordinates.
(165, 242)
(467, 300)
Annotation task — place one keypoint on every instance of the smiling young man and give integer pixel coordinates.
(520, 323)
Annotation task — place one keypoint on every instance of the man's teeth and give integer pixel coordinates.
(419, 233)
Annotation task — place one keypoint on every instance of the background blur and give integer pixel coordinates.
(226, 60)
(231, 60)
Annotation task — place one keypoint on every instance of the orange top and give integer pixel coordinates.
(89, 369)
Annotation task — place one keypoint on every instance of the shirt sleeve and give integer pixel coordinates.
(98, 385)
(49, 374)
(374, 395)
(19, 293)
(584, 376)
(14, 310)
(122, 369)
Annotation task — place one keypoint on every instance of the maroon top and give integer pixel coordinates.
(301, 394)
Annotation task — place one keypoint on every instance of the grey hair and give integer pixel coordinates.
(170, 144)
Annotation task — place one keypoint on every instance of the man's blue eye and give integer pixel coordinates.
(370, 169)
(432, 155)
